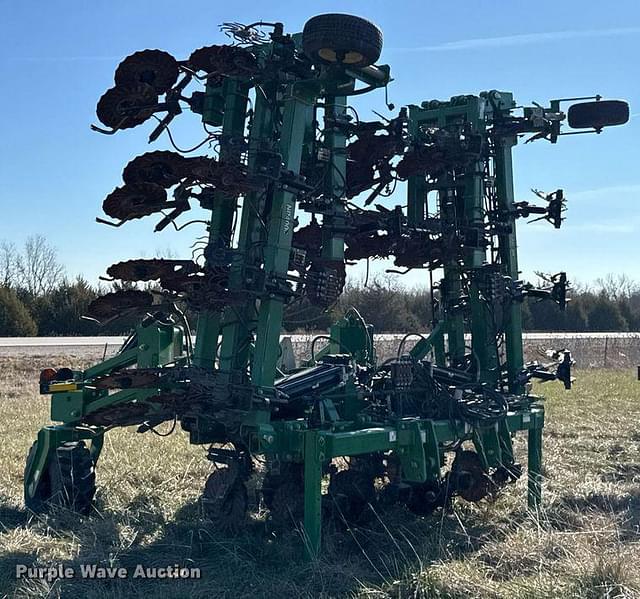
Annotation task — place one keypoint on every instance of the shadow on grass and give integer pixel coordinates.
(12, 517)
(624, 507)
(259, 561)
(603, 502)
(9, 585)
(626, 472)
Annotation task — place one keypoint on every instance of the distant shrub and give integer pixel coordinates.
(15, 320)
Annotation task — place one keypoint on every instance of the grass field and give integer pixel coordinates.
(584, 543)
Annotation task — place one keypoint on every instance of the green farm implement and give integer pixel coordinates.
(291, 190)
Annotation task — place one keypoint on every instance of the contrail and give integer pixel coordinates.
(523, 39)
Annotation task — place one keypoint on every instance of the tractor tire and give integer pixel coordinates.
(341, 39)
(69, 481)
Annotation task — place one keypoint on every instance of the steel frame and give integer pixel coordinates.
(239, 345)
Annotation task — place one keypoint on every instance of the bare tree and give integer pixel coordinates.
(8, 264)
(37, 267)
(617, 287)
(166, 252)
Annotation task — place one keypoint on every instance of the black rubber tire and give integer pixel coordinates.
(605, 113)
(73, 477)
(69, 481)
(337, 38)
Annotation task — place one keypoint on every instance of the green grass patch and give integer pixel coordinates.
(584, 542)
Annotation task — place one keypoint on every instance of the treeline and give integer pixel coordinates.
(37, 298)
(610, 304)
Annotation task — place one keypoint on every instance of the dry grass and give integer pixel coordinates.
(584, 543)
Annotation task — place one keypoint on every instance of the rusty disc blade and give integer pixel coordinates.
(360, 247)
(234, 181)
(135, 201)
(161, 167)
(468, 467)
(184, 283)
(224, 500)
(151, 67)
(203, 169)
(130, 413)
(308, 238)
(215, 279)
(125, 107)
(224, 60)
(151, 269)
(135, 378)
(113, 304)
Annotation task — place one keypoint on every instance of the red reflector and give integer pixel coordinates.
(48, 374)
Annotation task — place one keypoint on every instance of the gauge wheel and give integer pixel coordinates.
(341, 39)
(69, 480)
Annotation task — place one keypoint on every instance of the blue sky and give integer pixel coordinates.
(58, 57)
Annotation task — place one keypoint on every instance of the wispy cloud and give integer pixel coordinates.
(62, 58)
(612, 227)
(607, 228)
(605, 194)
(523, 39)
